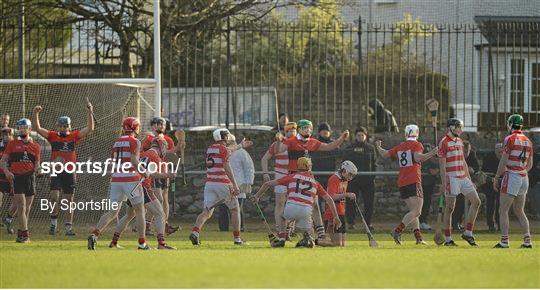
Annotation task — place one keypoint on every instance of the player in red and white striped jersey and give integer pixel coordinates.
(151, 156)
(516, 161)
(281, 169)
(455, 179)
(302, 189)
(220, 186)
(6, 135)
(125, 182)
(409, 155)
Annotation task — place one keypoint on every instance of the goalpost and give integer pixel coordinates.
(113, 99)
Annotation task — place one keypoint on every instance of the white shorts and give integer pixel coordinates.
(514, 184)
(218, 193)
(280, 189)
(301, 214)
(121, 191)
(455, 186)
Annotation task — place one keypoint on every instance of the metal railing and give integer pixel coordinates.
(342, 74)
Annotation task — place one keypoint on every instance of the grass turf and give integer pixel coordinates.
(59, 262)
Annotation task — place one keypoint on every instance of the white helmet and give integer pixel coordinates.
(219, 134)
(412, 131)
(349, 167)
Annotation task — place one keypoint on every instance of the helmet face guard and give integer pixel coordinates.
(158, 124)
(453, 124)
(24, 126)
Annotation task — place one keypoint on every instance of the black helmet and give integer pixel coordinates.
(454, 122)
(157, 120)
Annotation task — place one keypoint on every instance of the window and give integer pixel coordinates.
(517, 84)
(535, 87)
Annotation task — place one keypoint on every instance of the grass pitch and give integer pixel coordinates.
(59, 262)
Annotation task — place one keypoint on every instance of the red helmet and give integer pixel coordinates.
(130, 124)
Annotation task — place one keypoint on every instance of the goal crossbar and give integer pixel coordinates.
(122, 81)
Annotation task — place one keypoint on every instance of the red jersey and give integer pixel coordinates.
(301, 188)
(147, 141)
(22, 156)
(147, 157)
(63, 147)
(409, 169)
(216, 157)
(2, 149)
(452, 151)
(336, 186)
(297, 148)
(519, 149)
(281, 165)
(124, 147)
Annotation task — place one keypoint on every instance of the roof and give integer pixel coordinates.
(510, 30)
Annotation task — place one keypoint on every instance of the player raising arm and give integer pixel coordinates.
(302, 188)
(63, 141)
(300, 146)
(516, 161)
(409, 156)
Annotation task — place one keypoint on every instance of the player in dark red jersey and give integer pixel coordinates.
(63, 141)
(300, 146)
(20, 163)
(6, 135)
(409, 155)
(337, 189)
(125, 182)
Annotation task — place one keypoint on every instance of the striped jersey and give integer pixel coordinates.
(281, 165)
(301, 188)
(216, 157)
(519, 150)
(147, 157)
(124, 147)
(22, 156)
(452, 151)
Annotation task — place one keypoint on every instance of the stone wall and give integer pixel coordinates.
(189, 199)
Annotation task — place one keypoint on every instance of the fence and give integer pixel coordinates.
(347, 75)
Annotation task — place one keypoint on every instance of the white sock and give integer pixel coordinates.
(68, 226)
(448, 238)
(468, 233)
(54, 222)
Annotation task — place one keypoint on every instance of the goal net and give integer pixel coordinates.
(112, 101)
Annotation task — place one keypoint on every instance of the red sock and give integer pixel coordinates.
(448, 232)
(195, 229)
(142, 241)
(417, 234)
(115, 238)
(96, 232)
(236, 234)
(161, 239)
(400, 228)
(469, 226)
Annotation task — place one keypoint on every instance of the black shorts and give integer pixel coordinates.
(161, 183)
(340, 230)
(25, 184)
(5, 186)
(414, 189)
(64, 181)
